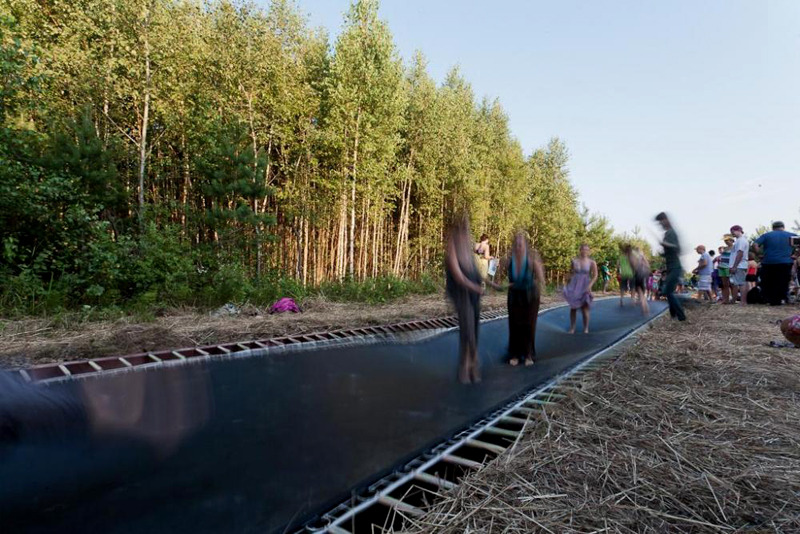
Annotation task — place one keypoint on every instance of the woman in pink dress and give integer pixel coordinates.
(578, 292)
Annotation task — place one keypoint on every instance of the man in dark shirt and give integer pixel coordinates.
(776, 265)
(672, 255)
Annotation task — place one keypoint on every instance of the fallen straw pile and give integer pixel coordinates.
(695, 429)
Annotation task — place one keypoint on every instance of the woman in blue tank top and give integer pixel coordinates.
(526, 278)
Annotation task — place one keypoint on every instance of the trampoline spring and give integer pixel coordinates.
(502, 432)
(529, 411)
(552, 395)
(464, 462)
(515, 420)
(491, 447)
(400, 506)
(434, 480)
(539, 402)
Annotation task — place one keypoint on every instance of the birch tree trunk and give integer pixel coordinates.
(145, 115)
(351, 254)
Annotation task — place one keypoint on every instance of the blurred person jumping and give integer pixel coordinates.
(625, 272)
(641, 273)
(578, 292)
(526, 284)
(464, 289)
(637, 267)
(674, 271)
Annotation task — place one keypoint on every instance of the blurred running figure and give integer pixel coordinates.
(464, 289)
(674, 271)
(578, 292)
(703, 272)
(738, 264)
(641, 272)
(637, 269)
(526, 282)
(625, 270)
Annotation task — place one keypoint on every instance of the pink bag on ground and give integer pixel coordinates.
(285, 305)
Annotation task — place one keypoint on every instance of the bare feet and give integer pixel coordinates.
(464, 373)
(513, 362)
(585, 330)
(528, 362)
(571, 330)
(475, 374)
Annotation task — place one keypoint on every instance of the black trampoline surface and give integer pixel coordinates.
(257, 444)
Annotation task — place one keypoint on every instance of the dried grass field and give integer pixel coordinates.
(696, 428)
(45, 340)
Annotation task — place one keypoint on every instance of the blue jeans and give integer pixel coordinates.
(671, 283)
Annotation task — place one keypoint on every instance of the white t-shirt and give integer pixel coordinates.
(706, 270)
(740, 244)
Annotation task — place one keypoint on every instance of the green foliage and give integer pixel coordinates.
(272, 162)
(16, 64)
(377, 290)
(759, 231)
(76, 150)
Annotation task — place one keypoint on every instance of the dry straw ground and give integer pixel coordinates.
(34, 341)
(695, 429)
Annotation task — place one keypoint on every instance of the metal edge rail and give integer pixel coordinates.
(406, 331)
(397, 332)
(340, 520)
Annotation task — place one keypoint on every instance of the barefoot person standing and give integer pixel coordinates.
(578, 292)
(464, 289)
(526, 282)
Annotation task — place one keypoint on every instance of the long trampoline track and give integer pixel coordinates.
(343, 519)
(412, 455)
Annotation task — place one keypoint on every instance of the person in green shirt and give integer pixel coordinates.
(625, 270)
(605, 274)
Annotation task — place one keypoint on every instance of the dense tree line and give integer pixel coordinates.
(163, 147)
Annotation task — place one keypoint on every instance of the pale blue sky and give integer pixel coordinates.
(692, 107)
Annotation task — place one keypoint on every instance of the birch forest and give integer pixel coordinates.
(165, 147)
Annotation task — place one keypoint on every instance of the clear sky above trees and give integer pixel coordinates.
(694, 105)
